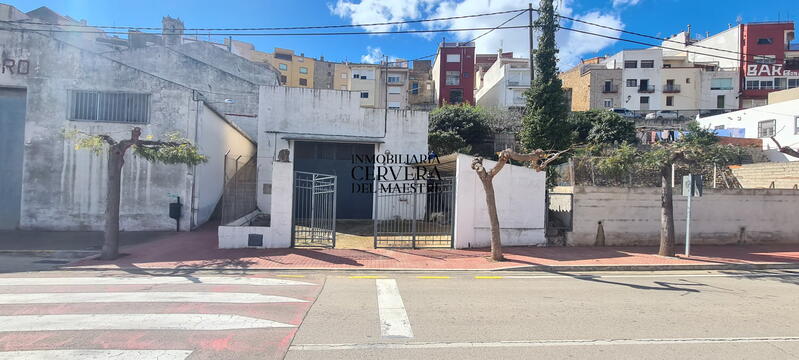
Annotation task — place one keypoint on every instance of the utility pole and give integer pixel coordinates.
(532, 51)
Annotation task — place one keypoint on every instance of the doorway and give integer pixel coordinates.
(12, 148)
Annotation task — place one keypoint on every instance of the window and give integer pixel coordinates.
(453, 58)
(364, 94)
(343, 75)
(283, 67)
(356, 76)
(721, 84)
(630, 64)
(720, 101)
(608, 85)
(793, 83)
(780, 83)
(767, 84)
(608, 103)
(765, 41)
(647, 64)
(453, 78)
(393, 105)
(669, 100)
(644, 99)
(687, 80)
(666, 66)
(283, 56)
(394, 90)
(796, 125)
(455, 96)
(765, 59)
(632, 82)
(109, 106)
(752, 84)
(766, 128)
(303, 70)
(303, 82)
(283, 79)
(415, 88)
(718, 127)
(394, 79)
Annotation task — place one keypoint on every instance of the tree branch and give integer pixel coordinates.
(785, 150)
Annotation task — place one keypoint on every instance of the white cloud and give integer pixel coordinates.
(618, 3)
(374, 56)
(573, 45)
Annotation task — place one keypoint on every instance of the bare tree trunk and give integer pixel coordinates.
(496, 240)
(666, 213)
(111, 243)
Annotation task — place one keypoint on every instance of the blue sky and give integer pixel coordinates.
(656, 17)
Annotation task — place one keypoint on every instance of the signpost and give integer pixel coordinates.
(691, 186)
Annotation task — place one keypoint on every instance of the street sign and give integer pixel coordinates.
(691, 187)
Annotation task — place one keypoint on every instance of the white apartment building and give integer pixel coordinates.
(654, 79)
(504, 83)
(395, 86)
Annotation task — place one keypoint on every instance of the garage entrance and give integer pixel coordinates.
(12, 136)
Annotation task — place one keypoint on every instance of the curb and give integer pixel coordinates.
(74, 254)
(525, 268)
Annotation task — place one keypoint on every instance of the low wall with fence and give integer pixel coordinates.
(631, 216)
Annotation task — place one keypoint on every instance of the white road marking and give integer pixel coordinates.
(393, 318)
(643, 276)
(156, 296)
(133, 322)
(538, 343)
(149, 280)
(95, 355)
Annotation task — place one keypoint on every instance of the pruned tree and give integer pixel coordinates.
(538, 160)
(785, 149)
(173, 150)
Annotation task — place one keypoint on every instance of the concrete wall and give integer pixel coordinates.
(217, 137)
(64, 188)
(783, 95)
(200, 66)
(520, 195)
(785, 113)
(631, 216)
(597, 84)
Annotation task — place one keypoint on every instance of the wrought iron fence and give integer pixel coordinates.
(239, 197)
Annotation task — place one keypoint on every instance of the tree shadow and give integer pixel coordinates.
(661, 285)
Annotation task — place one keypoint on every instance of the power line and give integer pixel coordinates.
(498, 26)
(277, 28)
(276, 34)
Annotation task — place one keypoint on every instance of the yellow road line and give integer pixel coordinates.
(367, 277)
(432, 277)
(292, 276)
(489, 277)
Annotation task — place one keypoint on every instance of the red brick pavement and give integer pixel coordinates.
(199, 250)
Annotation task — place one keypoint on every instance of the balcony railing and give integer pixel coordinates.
(671, 88)
(610, 89)
(646, 89)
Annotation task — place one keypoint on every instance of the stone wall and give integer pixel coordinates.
(768, 175)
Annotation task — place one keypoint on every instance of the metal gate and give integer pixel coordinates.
(414, 214)
(314, 211)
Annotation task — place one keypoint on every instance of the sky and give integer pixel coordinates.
(653, 17)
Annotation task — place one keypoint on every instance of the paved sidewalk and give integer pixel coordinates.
(197, 250)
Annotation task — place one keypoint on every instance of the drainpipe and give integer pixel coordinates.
(194, 196)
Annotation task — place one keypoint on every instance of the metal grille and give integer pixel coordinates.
(314, 212)
(415, 214)
(239, 195)
(109, 106)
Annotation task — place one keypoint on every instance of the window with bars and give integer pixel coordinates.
(766, 128)
(109, 106)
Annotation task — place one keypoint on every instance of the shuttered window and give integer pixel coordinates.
(109, 106)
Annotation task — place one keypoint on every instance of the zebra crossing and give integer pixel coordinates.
(150, 317)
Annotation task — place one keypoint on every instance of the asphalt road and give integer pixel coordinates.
(399, 315)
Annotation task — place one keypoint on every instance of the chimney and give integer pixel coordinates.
(321, 58)
(172, 30)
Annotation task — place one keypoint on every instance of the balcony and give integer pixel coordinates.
(671, 88)
(610, 89)
(646, 89)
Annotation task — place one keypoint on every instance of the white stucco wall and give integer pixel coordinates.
(520, 197)
(785, 113)
(631, 216)
(216, 138)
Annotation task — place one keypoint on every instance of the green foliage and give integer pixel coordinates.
(620, 161)
(175, 150)
(93, 143)
(600, 127)
(698, 136)
(544, 125)
(460, 127)
(447, 142)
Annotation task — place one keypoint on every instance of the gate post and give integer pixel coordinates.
(413, 222)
